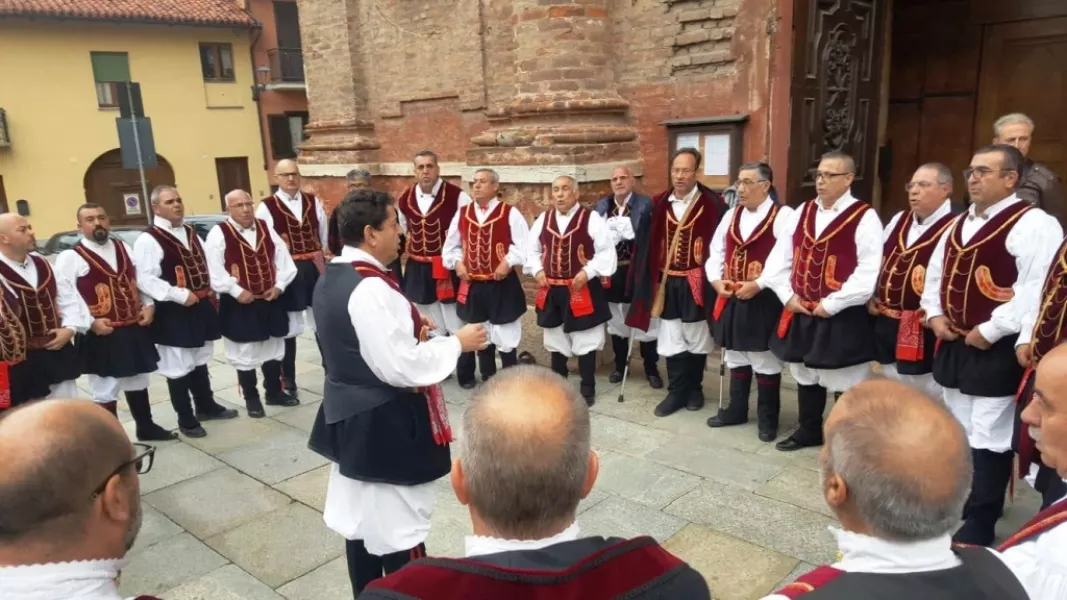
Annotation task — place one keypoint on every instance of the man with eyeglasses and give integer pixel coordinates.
(669, 282)
(824, 270)
(985, 269)
(1038, 185)
(903, 343)
(747, 310)
(70, 501)
(299, 218)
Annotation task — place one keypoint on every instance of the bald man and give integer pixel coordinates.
(300, 219)
(897, 520)
(49, 313)
(626, 212)
(1038, 552)
(526, 464)
(250, 269)
(70, 501)
(570, 252)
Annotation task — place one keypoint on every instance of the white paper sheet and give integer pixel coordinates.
(687, 140)
(717, 155)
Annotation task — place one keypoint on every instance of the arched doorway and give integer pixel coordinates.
(107, 184)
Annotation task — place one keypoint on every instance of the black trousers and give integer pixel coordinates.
(364, 567)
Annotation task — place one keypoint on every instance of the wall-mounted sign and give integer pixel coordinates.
(5, 139)
(132, 202)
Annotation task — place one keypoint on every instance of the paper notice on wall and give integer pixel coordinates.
(687, 140)
(717, 155)
(132, 202)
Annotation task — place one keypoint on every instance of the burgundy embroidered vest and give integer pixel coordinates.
(1051, 517)
(301, 237)
(745, 258)
(1051, 326)
(253, 268)
(691, 250)
(12, 331)
(426, 233)
(485, 245)
(977, 277)
(900, 284)
(38, 308)
(625, 248)
(564, 253)
(821, 264)
(182, 267)
(110, 293)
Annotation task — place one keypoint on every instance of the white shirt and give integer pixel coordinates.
(477, 545)
(1041, 563)
(1032, 241)
(296, 207)
(859, 287)
(381, 317)
(917, 229)
(82, 580)
(866, 554)
(73, 314)
(678, 205)
(452, 251)
(148, 257)
(215, 253)
(604, 260)
(425, 201)
(750, 219)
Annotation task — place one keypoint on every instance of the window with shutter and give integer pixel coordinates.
(109, 68)
(281, 137)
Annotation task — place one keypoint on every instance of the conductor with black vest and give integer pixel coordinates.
(383, 422)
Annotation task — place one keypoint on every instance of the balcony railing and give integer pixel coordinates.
(286, 65)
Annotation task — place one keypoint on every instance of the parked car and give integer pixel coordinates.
(127, 233)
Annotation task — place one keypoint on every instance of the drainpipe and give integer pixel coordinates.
(256, 93)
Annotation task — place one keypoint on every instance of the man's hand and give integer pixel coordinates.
(472, 337)
(272, 294)
(63, 337)
(975, 340)
(428, 322)
(579, 281)
(246, 297)
(541, 279)
(942, 330)
(723, 288)
(872, 307)
(821, 312)
(192, 299)
(1024, 354)
(747, 291)
(102, 327)
(502, 270)
(147, 314)
(796, 306)
(461, 271)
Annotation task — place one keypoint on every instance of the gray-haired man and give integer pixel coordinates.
(1038, 185)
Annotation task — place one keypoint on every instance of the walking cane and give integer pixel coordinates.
(722, 372)
(626, 369)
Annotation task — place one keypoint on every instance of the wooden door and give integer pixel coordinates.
(837, 65)
(1024, 69)
(232, 174)
(3, 196)
(106, 184)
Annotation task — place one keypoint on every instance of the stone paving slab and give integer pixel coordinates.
(309, 488)
(642, 480)
(725, 465)
(168, 564)
(176, 462)
(275, 458)
(226, 583)
(328, 582)
(619, 517)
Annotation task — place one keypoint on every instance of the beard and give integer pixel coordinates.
(135, 527)
(100, 235)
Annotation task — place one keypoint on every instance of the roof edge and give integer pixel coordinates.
(254, 24)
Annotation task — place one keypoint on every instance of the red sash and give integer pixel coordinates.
(810, 581)
(1044, 521)
(910, 336)
(581, 302)
(464, 290)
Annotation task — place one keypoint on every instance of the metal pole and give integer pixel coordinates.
(140, 161)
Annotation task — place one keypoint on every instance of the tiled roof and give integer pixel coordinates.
(185, 12)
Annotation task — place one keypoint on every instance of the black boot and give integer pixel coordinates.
(559, 364)
(620, 346)
(141, 409)
(206, 407)
(272, 385)
(677, 385)
(811, 401)
(768, 405)
(183, 405)
(465, 370)
(509, 359)
(587, 370)
(992, 473)
(393, 562)
(697, 363)
(487, 362)
(289, 367)
(736, 413)
(363, 567)
(250, 393)
(650, 356)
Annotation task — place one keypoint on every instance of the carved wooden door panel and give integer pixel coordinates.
(837, 66)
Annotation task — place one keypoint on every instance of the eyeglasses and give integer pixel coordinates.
(817, 175)
(747, 183)
(683, 171)
(922, 185)
(981, 172)
(286, 175)
(143, 458)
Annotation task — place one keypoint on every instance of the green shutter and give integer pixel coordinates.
(110, 66)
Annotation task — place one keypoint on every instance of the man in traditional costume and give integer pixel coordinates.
(172, 270)
(669, 281)
(250, 268)
(570, 250)
(117, 351)
(486, 240)
(300, 220)
(522, 477)
(383, 422)
(985, 269)
(824, 270)
(626, 213)
(903, 344)
(747, 310)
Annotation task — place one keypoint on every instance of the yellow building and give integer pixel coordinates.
(60, 73)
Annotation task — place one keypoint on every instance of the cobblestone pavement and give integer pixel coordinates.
(237, 514)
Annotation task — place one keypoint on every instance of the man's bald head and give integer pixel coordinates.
(56, 453)
(622, 182)
(896, 463)
(1046, 414)
(287, 176)
(16, 236)
(526, 461)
